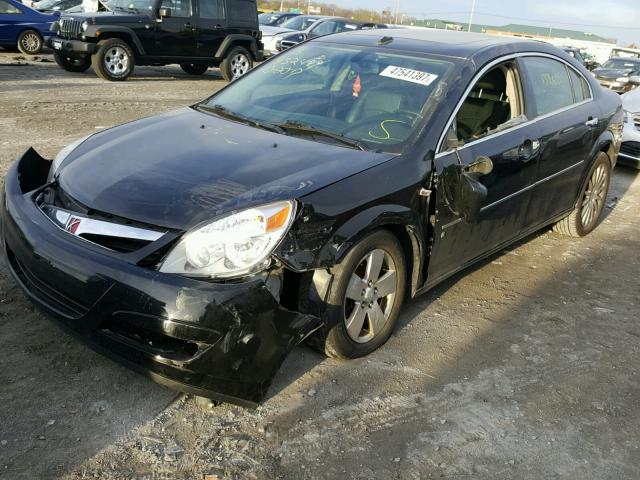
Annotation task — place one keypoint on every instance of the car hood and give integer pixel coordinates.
(181, 168)
(610, 73)
(268, 31)
(105, 18)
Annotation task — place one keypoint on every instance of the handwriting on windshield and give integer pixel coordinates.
(293, 66)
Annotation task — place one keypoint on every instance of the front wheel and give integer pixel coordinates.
(30, 42)
(237, 62)
(72, 64)
(584, 218)
(365, 297)
(114, 60)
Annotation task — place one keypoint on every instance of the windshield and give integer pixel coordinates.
(622, 64)
(44, 4)
(372, 97)
(133, 5)
(299, 23)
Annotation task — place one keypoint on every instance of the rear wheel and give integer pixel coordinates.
(365, 297)
(30, 42)
(236, 64)
(584, 218)
(114, 60)
(72, 64)
(193, 68)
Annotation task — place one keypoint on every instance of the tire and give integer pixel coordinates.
(72, 64)
(237, 62)
(194, 68)
(591, 201)
(355, 303)
(114, 60)
(30, 42)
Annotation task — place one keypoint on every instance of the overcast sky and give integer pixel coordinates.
(613, 19)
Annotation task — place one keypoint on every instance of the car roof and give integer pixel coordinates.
(441, 42)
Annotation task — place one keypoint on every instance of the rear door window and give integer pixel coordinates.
(550, 84)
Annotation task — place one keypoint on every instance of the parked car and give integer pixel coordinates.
(585, 59)
(615, 74)
(271, 35)
(23, 27)
(307, 200)
(275, 18)
(197, 35)
(630, 150)
(325, 26)
(49, 6)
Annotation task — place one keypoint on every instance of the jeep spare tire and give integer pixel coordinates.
(114, 60)
(236, 63)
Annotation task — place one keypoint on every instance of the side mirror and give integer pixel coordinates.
(164, 12)
(464, 192)
(634, 79)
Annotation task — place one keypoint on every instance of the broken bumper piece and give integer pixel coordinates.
(220, 340)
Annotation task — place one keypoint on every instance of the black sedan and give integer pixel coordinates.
(619, 74)
(307, 201)
(325, 26)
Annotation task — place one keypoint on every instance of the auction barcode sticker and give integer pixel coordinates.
(409, 75)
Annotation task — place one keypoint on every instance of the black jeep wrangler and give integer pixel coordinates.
(197, 34)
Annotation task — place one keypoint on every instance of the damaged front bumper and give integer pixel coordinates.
(220, 340)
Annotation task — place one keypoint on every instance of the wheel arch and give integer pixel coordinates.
(122, 33)
(238, 40)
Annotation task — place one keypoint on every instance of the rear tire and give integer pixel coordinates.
(30, 42)
(237, 63)
(365, 297)
(591, 201)
(71, 64)
(194, 68)
(114, 60)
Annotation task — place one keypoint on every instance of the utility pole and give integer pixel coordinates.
(282, 5)
(473, 9)
(397, 10)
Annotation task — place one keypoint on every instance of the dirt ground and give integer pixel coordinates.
(524, 367)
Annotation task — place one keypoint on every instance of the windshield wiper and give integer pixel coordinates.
(303, 128)
(225, 113)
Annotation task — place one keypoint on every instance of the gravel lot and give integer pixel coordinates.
(524, 367)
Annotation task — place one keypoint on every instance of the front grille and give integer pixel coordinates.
(631, 149)
(70, 27)
(44, 292)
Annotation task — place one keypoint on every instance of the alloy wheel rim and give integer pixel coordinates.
(239, 65)
(370, 296)
(594, 197)
(30, 42)
(116, 60)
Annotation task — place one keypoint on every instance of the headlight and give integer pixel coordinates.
(64, 153)
(236, 245)
(622, 80)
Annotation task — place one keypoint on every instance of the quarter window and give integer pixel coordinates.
(7, 8)
(580, 86)
(551, 87)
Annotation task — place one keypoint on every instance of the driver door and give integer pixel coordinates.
(490, 124)
(175, 36)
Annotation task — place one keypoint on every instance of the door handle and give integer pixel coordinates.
(592, 122)
(528, 150)
(217, 27)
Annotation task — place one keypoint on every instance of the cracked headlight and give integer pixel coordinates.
(232, 246)
(64, 153)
